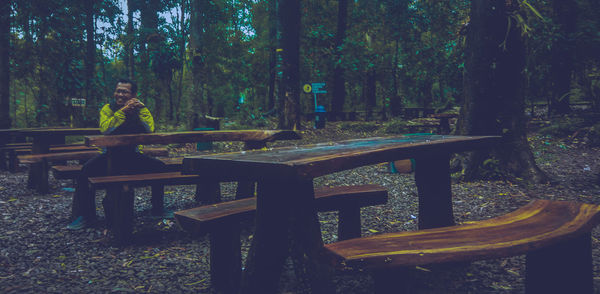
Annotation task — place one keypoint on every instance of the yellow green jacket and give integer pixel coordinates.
(113, 121)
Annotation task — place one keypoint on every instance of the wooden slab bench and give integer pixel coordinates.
(222, 222)
(555, 236)
(44, 160)
(74, 170)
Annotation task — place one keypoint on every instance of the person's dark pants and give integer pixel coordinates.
(84, 202)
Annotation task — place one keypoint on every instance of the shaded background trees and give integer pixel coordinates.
(224, 58)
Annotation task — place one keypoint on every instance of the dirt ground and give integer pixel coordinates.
(38, 253)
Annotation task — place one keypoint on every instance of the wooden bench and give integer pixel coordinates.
(156, 181)
(222, 222)
(555, 236)
(74, 170)
(44, 160)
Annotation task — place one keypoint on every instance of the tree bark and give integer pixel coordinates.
(90, 56)
(273, 28)
(130, 39)
(196, 48)
(563, 54)
(494, 96)
(5, 65)
(289, 17)
(339, 82)
(371, 92)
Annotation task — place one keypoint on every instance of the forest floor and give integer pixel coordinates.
(38, 254)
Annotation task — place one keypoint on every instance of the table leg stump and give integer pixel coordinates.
(565, 267)
(225, 257)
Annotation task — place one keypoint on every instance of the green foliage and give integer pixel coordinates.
(396, 127)
(594, 135)
(360, 127)
(563, 127)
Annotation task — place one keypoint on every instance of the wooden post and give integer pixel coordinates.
(225, 257)
(432, 176)
(286, 206)
(349, 223)
(158, 199)
(565, 267)
(270, 242)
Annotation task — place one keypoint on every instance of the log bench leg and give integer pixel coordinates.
(158, 196)
(208, 192)
(120, 214)
(349, 223)
(225, 257)
(391, 280)
(3, 160)
(565, 267)
(13, 162)
(38, 177)
(432, 176)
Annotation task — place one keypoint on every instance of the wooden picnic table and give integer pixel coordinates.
(123, 200)
(43, 138)
(285, 194)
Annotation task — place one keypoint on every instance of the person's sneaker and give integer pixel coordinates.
(78, 224)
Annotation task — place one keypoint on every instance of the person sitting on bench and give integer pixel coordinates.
(125, 115)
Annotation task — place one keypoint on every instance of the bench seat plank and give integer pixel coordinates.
(80, 155)
(172, 178)
(539, 224)
(198, 219)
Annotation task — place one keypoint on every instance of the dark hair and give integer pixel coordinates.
(131, 82)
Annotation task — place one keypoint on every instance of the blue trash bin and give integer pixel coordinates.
(202, 146)
(320, 117)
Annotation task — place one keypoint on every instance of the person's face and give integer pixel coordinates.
(122, 93)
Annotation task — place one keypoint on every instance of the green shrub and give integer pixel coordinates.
(563, 127)
(396, 127)
(594, 136)
(359, 127)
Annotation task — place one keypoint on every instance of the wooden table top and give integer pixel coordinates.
(315, 160)
(191, 137)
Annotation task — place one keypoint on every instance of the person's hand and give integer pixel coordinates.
(132, 105)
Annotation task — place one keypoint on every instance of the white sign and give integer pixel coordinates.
(317, 88)
(78, 102)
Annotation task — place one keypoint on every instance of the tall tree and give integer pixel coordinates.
(131, 7)
(493, 88)
(289, 95)
(563, 54)
(273, 54)
(339, 83)
(90, 54)
(5, 11)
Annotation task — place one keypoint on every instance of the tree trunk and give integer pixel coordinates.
(563, 53)
(182, 46)
(149, 40)
(371, 92)
(90, 56)
(339, 83)
(196, 38)
(130, 39)
(273, 28)
(396, 100)
(289, 17)
(494, 96)
(4, 65)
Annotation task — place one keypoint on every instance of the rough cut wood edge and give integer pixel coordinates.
(194, 219)
(143, 179)
(80, 155)
(190, 137)
(536, 225)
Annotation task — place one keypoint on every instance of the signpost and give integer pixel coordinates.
(317, 88)
(78, 102)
